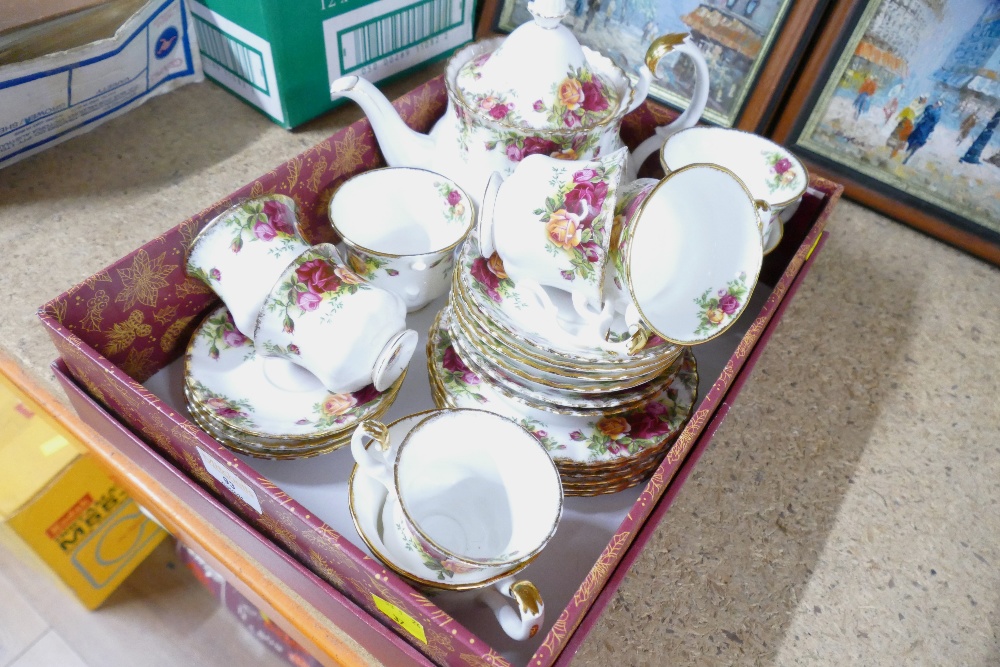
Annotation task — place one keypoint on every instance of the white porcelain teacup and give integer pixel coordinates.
(322, 317)
(771, 173)
(241, 252)
(550, 222)
(399, 227)
(470, 493)
(687, 254)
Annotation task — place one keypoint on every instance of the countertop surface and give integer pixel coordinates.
(845, 513)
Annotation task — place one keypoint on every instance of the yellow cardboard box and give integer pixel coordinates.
(57, 499)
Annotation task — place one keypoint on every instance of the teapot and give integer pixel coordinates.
(535, 91)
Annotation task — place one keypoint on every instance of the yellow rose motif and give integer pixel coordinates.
(357, 264)
(563, 230)
(488, 103)
(337, 404)
(347, 276)
(459, 209)
(568, 154)
(571, 94)
(613, 427)
(715, 315)
(496, 266)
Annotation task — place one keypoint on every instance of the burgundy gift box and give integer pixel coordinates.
(124, 324)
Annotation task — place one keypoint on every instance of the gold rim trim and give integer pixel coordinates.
(383, 403)
(778, 205)
(379, 253)
(630, 231)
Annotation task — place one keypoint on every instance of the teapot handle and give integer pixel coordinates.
(660, 47)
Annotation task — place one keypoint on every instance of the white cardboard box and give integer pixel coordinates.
(54, 97)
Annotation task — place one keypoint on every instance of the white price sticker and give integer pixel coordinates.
(229, 480)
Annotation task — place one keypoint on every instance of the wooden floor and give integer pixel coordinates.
(160, 616)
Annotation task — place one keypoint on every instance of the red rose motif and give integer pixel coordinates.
(215, 274)
(591, 250)
(586, 199)
(318, 275)
(584, 175)
(656, 408)
(593, 98)
(280, 217)
(454, 197)
(539, 146)
(499, 111)
(452, 362)
(484, 275)
(570, 119)
(647, 426)
(366, 395)
(514, 153)
(729, 304)
(538, 106)
(782, 165)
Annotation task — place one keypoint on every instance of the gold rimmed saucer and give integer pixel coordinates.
(595, 454)
(227, 378)
(530, 366)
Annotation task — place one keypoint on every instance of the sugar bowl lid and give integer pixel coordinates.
(539, 77)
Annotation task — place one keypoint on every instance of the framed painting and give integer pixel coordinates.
(900, 101)
(751, 46)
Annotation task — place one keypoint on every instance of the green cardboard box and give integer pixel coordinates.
(281, 55)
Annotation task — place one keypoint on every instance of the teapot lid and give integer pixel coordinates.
(539, 77)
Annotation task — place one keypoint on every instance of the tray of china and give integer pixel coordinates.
(120, 346)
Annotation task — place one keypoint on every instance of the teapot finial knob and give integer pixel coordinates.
(548, 13)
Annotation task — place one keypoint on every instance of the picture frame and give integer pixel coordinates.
(859, 115)
(752, 47)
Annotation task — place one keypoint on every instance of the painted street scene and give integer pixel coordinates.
(915, 103)
(731, 33)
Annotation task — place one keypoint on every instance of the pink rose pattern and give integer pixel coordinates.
(435, 561)
(265, 219)
(220, 332)
(455, 375)
(725, 304)
(316, 281)
(642, 428)
(487, 281)
(575, 222)
(457, 209)
(783, 174)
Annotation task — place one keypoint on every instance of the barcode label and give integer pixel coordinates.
(237, 58)
(386, 35)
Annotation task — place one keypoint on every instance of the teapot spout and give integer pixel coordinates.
(401, 146)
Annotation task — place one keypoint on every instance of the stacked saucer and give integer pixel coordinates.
(235, 395)
(606, 417)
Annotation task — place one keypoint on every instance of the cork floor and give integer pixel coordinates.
(845, 513)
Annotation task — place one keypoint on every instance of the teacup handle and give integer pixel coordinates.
(484, 222)
(375, 462)
(660, 47)
(524, 621)
(639, 334)
(596, 323)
